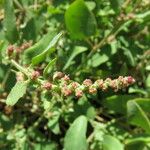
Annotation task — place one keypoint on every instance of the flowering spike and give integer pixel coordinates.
(47, 85)
(35, 75)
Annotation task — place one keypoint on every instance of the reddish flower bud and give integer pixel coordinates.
(66, 78)
(58, 75)
(47, 85)
(100, 83)
(66, 91)
(92, 90)
(105, 87)
(20, 76)
(78, 93)
(75, 85)
(130, 80)
(113, 84)
(10, 49)
(87, 82)
(18, 49)
(35, 75)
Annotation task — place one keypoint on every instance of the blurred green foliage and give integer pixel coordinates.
(85, 39)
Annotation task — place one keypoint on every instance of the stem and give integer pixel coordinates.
(18, 4)
(91, 136)
(20, 68)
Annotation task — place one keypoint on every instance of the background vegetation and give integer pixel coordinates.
(95, 39)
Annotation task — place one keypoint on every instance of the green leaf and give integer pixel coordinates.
(130, 58)
(76, 51)
(79, 20)
(48, 68)
(75, 138)
(104, 55)
(99, 59)
(120, 100)
(111, 143)
(53, 123)
(116, 4)
(10, 22)
(144, 103)
(90, 4)
(137, 142)
(83, 107)
(49, 50)
(137, 116)
(138, 90)
(38, 47)
(16, 92)
(45, 146)
(148, 81)
(138, 139)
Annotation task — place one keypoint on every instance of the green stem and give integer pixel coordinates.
(20, 68)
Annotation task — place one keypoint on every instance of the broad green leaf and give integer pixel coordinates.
(16, 92)
(144, 103)
(38, 47)
(76, 51)
(137, 116)
(120, 100)
(48, 68)
(111, 143)
(49, 50)
(79, 20)
(10, 22)
(75, 138)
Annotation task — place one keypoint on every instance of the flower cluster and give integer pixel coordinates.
(68, 87)
(18, 49)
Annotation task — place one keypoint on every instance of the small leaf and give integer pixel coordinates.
(83, 107)
(138, 139)
(16, 92)
(99, 59)
(137, 116)
(50, 49)
(53, 123)
(75, 138)
(76, 51)
(111, 143)
(10, 22)
(79, 20)
(48, 68)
